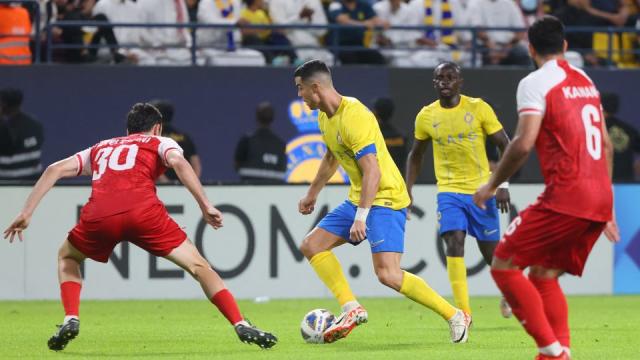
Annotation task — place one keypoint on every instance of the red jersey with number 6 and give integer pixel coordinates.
(124, 171)
(570, 142)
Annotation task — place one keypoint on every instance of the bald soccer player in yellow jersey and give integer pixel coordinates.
(375, 210)
(458, 127)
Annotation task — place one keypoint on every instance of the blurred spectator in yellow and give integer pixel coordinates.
(254, 14)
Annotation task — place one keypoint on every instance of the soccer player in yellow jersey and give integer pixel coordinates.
(458, 126)
(375, 210)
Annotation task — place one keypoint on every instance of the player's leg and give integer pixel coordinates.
(187, 256)
(527, 242)
(332, 231)
(453, 224)
(70, 279)
(554, 302)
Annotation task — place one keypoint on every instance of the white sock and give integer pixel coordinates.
(242, 322)
(553, 349)
(350, 306)
(69, 317)
(567, 350)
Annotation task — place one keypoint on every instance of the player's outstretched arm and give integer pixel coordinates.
(54, 172)
(328, 167)
(503, 199)
(188, 177)
(611, 231)
(513, 158)
(370, 183)
(414, 163)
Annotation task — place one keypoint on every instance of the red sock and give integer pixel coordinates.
(70, 295)
(526, 304)
(555, 307)
(227, 305)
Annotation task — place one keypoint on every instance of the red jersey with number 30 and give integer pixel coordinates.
(124, 171)
(570, 143)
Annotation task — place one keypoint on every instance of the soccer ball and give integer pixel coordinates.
(314, 324)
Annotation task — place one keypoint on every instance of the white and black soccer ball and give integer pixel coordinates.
(314, 324)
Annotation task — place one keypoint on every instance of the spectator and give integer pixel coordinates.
(255, 14)
(396, 13)
(361, 14)
(396, 142)
(260, 157)
(183, 139)
(532, 10)
(21, 139)
(166, 45)
(222, 44)
(501, 47)
(119, 11)
(192, 9)
(625, 139)
(15, 28)
(311, 12)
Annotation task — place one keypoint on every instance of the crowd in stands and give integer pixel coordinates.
(368, 39)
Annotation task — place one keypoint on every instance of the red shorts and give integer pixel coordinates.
(543, 237)
(150, 228)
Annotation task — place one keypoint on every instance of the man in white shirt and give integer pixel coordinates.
(222, 46)
(178, 39)
(503, 47)
(291, 12)
(123, 11)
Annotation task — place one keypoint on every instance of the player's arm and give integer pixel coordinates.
(370, 183)
(64, 168)
(514, 156)
(414, 163)
(190, 180)
(611, 230)
(503, 199)
(328, 167)
(196, 164)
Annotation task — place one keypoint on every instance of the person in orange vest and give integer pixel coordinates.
(15, 28)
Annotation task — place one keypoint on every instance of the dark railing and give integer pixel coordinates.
(50, 46)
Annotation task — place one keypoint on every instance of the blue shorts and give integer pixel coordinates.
(385, 226)
(458, 212)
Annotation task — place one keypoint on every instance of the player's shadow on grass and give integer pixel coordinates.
(134, 354)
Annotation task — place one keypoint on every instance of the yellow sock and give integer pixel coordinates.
(419, 291)
(328, 268)
(458, 277)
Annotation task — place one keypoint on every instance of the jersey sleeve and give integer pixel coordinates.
(530, 98)
(420, 132)
(84, 162)
(166, 145)
(490, 122)
(360, 133)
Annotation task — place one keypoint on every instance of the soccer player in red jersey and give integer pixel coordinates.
(559, 111)
(124, 207)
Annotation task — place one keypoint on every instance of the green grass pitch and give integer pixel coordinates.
(603, 327)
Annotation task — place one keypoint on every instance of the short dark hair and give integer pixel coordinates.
(449, 64)
(310, 68)
(383, 108)
(265, 113)
(610, 102)
(142, 117)
(546, 35)
(165, 107)
(11, 98)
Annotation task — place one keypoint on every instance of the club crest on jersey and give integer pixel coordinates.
(339, 139)
(468, 118)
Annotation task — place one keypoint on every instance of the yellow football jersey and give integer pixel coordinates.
(458, 136)
(352, 132)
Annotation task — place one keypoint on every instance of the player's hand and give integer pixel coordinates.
(306, 205)
(358, 231)
(611, 230)
(503, 200)
(18, 225)
(213, 217)
(484, 193)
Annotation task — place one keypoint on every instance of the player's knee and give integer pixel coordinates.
(307, 248)
(455, 246)
(389, 277)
